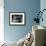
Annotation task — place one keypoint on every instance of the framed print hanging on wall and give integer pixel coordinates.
(17, 18)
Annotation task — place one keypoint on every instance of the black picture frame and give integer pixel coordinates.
(17, 18)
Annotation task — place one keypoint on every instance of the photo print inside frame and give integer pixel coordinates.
(16, 18)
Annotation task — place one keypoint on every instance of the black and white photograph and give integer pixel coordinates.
(17, 18)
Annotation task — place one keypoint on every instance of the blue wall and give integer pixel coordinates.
(43, 6)
(14, 33)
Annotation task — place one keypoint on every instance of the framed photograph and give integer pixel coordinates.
(17, 18)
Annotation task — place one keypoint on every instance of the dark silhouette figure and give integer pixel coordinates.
(37, 19)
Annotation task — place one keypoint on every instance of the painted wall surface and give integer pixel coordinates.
(43, 6)
(14, 33)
